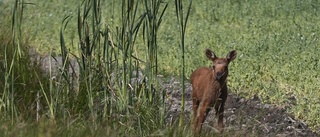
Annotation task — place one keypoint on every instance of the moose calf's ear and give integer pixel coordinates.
(231, 55)
(210, 55)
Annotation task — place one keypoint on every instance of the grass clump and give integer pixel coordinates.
(101, 83)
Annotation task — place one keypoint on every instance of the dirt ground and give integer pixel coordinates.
(243, 117)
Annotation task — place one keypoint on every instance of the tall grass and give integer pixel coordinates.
(106, 85)
(19, 81)
(112, 86)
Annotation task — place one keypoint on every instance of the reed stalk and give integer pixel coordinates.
(182, 21)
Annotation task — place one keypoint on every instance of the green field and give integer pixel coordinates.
(278, 60)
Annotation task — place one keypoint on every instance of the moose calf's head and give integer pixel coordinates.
(220, 65)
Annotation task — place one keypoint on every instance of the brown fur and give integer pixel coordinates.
(209, 88)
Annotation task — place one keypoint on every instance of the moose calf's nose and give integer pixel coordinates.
(218, 75)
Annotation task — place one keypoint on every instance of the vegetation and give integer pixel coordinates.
(276, 41)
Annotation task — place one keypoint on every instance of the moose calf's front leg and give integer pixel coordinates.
(219, 107)
(195, 106)
(203, 111)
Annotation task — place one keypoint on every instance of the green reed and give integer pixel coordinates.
(182, 21)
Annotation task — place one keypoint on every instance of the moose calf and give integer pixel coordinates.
(209, 88)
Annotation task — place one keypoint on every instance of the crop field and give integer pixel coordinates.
(125, 49)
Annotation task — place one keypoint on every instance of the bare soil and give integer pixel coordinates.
(243, 117)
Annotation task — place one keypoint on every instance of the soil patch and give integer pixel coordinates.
(243, 117)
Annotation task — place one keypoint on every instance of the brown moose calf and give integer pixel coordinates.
(209, 88)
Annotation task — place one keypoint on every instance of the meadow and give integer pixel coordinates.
(277, 43)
